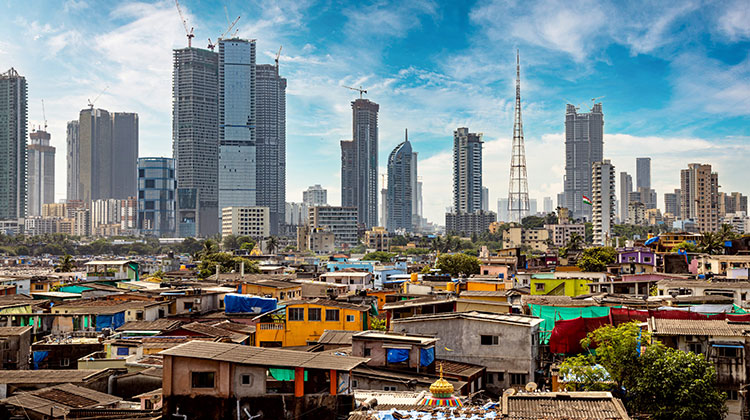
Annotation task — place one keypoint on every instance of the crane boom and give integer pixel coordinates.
(231, 25)
(360, 90)
(188, 32)
(44, 115)
(91, 103)
(278, 54)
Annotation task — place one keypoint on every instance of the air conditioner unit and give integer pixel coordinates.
(197, 301)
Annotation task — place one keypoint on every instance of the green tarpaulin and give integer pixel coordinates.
(550, 314)
(283, 374)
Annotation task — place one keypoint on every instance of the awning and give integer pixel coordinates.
(728, 346)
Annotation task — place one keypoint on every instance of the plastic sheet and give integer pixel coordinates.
(112, 322)
(567, 335)
(426, 356)
(397, 355)
(237, 303)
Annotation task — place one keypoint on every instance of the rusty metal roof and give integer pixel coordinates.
(260, 356)
(60, 399)
(562, 405)
(341, 337)
(162, 324)
(48, 376)
(697, 327)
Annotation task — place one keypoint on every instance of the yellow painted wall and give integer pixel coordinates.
(260, 290)
(571, 287)
(484, 286)
(299, 333)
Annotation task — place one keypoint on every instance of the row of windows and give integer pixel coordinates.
(499, 377)
(314, 314)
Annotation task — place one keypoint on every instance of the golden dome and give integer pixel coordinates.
(441, 388)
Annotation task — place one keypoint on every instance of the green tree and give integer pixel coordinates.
(677, 385)
(272, 244)
(458, 264)
(726, 233)
(66, 263)
(226, 262)
(377, 324)
(575, 243)
(597, 258)
(686, 246)
(229, 243)
(248, 246)
(532, 222)
(711, 243)
(380, 256)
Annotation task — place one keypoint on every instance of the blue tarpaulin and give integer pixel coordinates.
(112, 322)
(39, 356)
(651, 240)
(426, 356)
(398, 355)
(237, 303)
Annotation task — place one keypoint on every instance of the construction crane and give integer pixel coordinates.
(211, 45)
(44, 115)
(593, 100)
(231, 25)
(278, 54)
(360, 90)
(91, 103)
(188, 32)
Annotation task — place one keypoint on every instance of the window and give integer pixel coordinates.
(732, 394)
(246, 379)
(368, 352)
(203, 379)
(518, 379)
(727, 352)
(38, 287)
(64, 361)
(389, 388)
(350, 318)
(313, 314)
(500, 376)
(150, 183)
(139, 316)
(123, 351)
(332, 315)
(539, 287)
(490, 378)
(489, 340)
(355, 383)
(696, 348)
(296, 314)
(188, 306)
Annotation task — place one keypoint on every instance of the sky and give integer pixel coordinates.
(673, 78)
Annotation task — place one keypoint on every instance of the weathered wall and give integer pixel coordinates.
(277, 407)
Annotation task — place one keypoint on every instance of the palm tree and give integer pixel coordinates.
(437, 244)
(209, 247)
(710, 243)
(726, 233)
(271, 244)
(66, 263)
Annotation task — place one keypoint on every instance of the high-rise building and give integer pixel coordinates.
(467, 171)
(107, 154)
(560, 200)
(106, 212)
(124, 154)
(13, 123)
(195, 140)
(643, 173)
(603, 201)
(584, 145)
(41, 172)
(467, 224)
(384, 203)
(532, 207)
(485, 199)
(270, 143)
(249, 221)
(699, 196)
(672, 204)
(626, 187)
(342, 221)
(400, 193)
(730, 203)
(518, 192)
(547, 205)
(315, 195)
(156, 196)
(295, 214)
(359, 163)
(237, 129)
(416, 196)
(73, 184)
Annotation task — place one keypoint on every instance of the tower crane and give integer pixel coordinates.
(231, 25)
(360, 90)
(188, 32)
(91, 103)
(593, 100)
(278, 54)
(211, 45)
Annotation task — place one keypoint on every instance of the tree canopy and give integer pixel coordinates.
(458, 264)
(653, 380)
(597, 258)
(380, 256)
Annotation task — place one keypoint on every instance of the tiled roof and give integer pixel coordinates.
(59, 399)
(248, 355)
(554, 405)
(162, 324)
(210, 331)
(6, 331)
(697, 327)
(48, 376)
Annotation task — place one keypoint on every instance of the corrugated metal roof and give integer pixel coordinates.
(697, 327)
(336, 337)
(162, 324)
(584, 405)
(263, 356)
(47, 376)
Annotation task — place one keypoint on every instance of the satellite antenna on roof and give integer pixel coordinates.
(531, 386)
(510, 391)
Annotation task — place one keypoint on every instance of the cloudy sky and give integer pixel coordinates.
(674, 77)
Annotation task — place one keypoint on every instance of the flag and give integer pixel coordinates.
(586, 200)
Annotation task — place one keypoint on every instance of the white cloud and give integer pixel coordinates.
(707, 85)
(733, 22)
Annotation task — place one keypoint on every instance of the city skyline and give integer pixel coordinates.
(697, 86)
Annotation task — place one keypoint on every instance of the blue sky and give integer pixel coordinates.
(675, 77)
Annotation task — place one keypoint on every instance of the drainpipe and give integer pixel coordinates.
(177, 414)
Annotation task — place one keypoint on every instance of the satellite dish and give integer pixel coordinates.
(510, 391)
(531, 386)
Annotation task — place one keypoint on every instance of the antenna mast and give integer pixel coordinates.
(518, 193)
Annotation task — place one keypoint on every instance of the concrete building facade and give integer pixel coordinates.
(699, 196)
(41, 172)
(341, 221)
(315, 195)
(467, 171)
(603, 201)
(626, 187)
(584, 145)
(13, 133)
(359, 163)
(643, 172)
(73, 155)
(252, 221)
